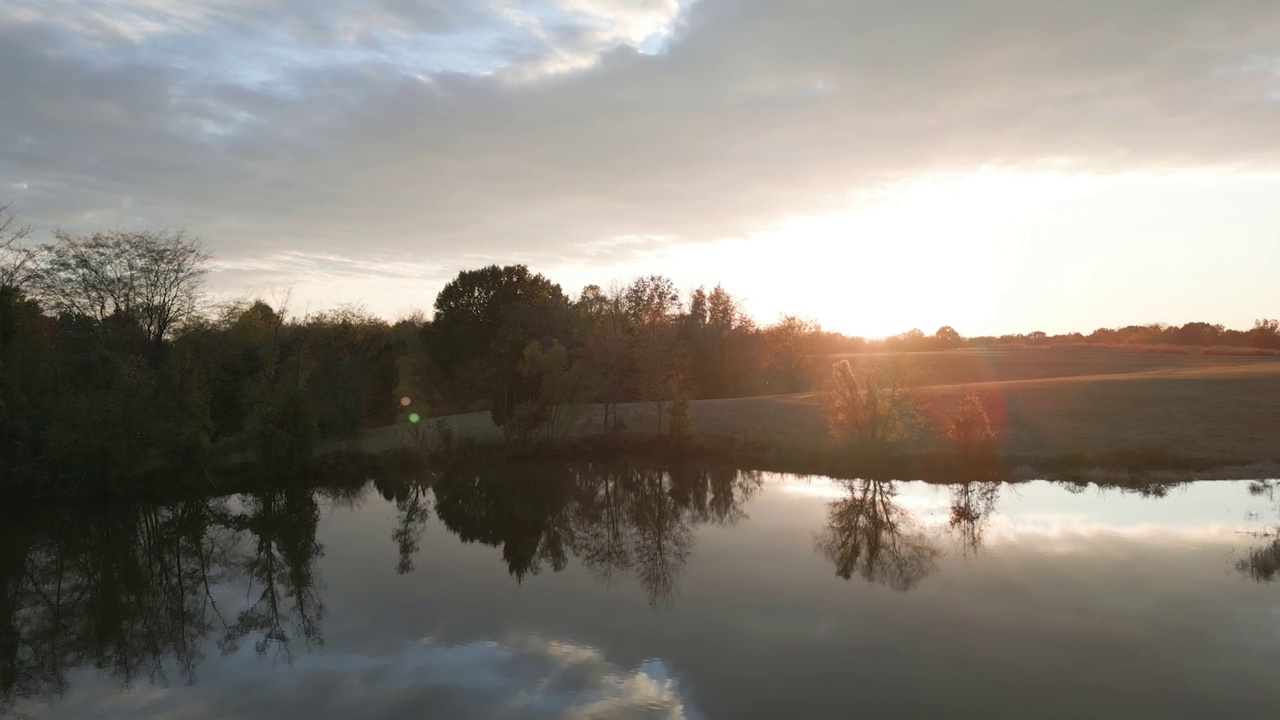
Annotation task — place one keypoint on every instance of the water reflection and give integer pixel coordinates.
(133, 590)
(143, 593)
(617, 519)
(413, 509)
(870, 534)
(973, 505)
(121, 588)
(279, 569)
(1262, 562)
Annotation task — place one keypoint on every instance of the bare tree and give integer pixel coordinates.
(148, 278)
(15, 260)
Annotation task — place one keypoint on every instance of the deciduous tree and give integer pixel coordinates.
(792, 342)
(122, 281)
(483, 321)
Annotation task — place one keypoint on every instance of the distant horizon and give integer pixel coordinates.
(299, 306)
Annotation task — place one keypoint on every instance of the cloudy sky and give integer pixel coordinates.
(997, 165)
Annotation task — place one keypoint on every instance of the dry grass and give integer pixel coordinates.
(1228, 350)
(1053, 402)
(980, 366)
(1048, 403)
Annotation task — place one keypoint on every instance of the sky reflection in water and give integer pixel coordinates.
(605, 591)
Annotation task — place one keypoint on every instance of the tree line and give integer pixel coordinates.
(1263, 337)
(114, 363)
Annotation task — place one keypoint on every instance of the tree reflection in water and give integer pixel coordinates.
(133, 589)
(1262, 563)
(618, 519)
(413, 510)
(973, 504)
(120, 588)
(284, 602)
(869, 534)
(139, 590)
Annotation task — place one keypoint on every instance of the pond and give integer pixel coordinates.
(624, 591)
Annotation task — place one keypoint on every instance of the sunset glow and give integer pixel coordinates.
(911, 167)
(685, 359)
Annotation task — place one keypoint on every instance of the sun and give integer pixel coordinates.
(921, 253)
(932, 251)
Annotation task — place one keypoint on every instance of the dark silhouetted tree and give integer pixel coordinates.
(483, 321)
(946, 338)
(16, 259)
(148, 280)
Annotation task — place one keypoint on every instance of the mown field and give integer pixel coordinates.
(1046, 403)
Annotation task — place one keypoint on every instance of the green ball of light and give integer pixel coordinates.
(414, 417)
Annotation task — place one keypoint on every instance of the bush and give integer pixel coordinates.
(968, 427)
(873, 405)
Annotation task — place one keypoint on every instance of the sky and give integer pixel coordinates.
(992, 165)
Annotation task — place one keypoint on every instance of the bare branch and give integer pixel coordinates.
(17, 262)
(147, 279)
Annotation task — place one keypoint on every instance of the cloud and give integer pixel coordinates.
(545, 131)
(530, 677)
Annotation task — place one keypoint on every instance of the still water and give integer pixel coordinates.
(613, 591)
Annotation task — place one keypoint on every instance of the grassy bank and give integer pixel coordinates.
(1109, 418)
(1061, 413)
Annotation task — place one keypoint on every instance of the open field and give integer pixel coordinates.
(1048, 403)
(983, 366)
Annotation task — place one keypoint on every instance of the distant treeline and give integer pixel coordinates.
(112, 363)
(1263, 339)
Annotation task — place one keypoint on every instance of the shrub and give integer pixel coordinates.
(968, 426)
(873, 405)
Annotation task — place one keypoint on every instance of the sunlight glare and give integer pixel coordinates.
(923, 253)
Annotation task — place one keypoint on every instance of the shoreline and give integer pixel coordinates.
(1130, 468)
(345, 463)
